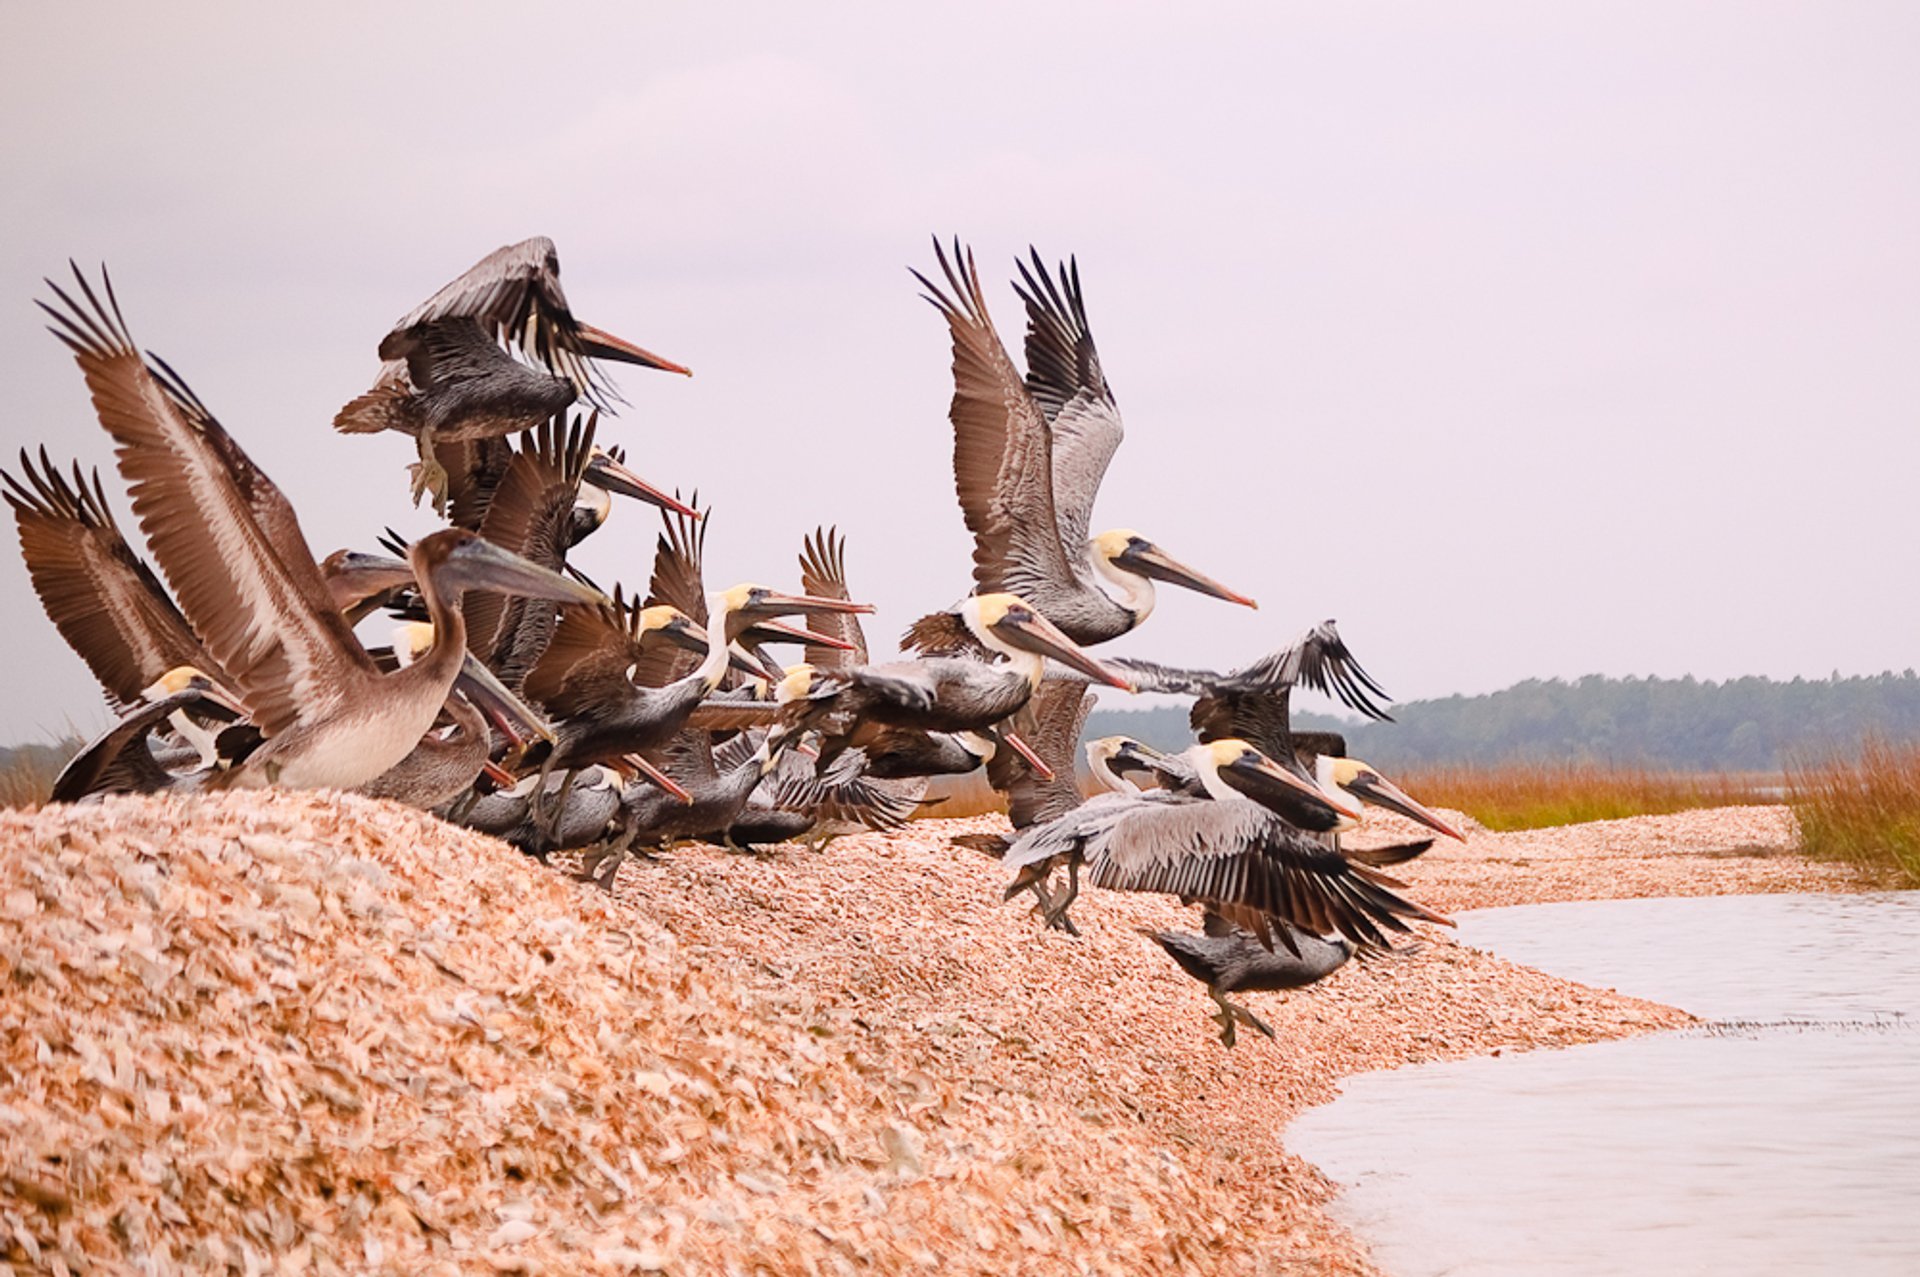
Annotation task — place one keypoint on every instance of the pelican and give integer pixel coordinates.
(1235, 853)
(445, 377)
(948, 693)
(1027, 476)
(1228, 960)
(229, 542)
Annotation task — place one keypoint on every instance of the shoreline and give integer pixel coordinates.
(852, 1060)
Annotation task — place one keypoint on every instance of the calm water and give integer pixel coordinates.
(1784, 1138)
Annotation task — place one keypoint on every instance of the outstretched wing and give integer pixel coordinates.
(223, 533)
(103, 598)
(1065, 380)
(1002, 447)
(823, 574)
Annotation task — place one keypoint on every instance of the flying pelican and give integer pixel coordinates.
(446, 378)
(1235, 853)
(944, 693)
(1228, 960)
(229, 542)
(1026, 486)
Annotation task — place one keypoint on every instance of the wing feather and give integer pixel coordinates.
(224, 535)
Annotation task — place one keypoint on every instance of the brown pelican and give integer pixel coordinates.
(649, 818)
(1228, 960)
(1028, 457)
(446, 377)
(947, 693)
(1236, 854)
(229, 542)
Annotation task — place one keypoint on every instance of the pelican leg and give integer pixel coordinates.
(612, 853)
(1229, 1013)
(551, 832)
(1057, 912)
(430, 475)
(457, 814)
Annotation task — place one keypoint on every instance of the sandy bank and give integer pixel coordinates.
(329, 1034)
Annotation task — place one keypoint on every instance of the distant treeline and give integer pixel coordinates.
(1744, 724)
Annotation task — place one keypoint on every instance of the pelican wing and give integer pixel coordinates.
(1065, 380)
(1002, 447)
(677, 582)
(1239, 856)
(823, 574)
(475, 468)
(103, 598)
(531, 514)
(1321, 660)
(223, 533)
(1050, 723)
(514, 295)
(588, 656)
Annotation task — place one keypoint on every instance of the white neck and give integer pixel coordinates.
(1323, 777)
(1102, 769)
(1136, 591)
(195, 735)
(714, 668)
(1201, 760)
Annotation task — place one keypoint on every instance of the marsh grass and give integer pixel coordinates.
(27, 773)
(1863, 808)
(1540, 795)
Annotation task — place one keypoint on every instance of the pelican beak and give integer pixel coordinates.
(1149, 560)
(354, 578)
(1032, 632)
(513, 716)
(1370, 786)
(600, 344)
(772, 603)
(659, 778)
(606, 473)
(686, 634)
(498, 775)
(759, 667)
(776, 629)
(1025, 751)
(1254, 771)
(486, 566)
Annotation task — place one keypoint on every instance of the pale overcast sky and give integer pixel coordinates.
(1526, 340)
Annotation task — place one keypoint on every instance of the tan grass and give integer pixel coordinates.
(1864, 808)
(1542, 795)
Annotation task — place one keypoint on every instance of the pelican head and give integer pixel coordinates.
(1232, 768)
(795, 686)
(1124, 551)
(1009, 625)
(607, 473)
(182, 678)
(672, 625)
(1117, 760)
(1366, 784)
(411, 639)
(759, 603)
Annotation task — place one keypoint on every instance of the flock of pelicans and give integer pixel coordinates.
(520, 699)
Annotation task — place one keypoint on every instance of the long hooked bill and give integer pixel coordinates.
(1370, 786)
(774, 603)
(1025, 751)
(1158, 564)
(659, 778)
(1039, 635)
(514, 717)
(601, 344)
(798, 633)
(604, 472)
(492, 568)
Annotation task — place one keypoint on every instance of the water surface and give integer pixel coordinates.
(1784, 1137)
